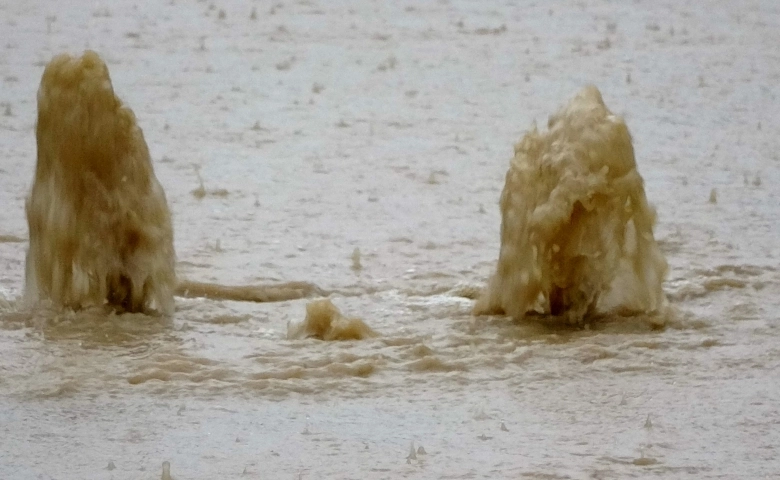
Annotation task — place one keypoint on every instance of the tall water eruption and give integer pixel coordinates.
(576, 230)
(100, 227)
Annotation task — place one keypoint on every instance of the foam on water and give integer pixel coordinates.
(577, 230)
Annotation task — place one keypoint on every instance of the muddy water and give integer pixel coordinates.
(319, 128)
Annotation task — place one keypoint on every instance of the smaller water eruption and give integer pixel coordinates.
(577, 230)
(166, 471)
(324, 321)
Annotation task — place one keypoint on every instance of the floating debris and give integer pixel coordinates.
(648, 423)
(503, 427)
(713, 196)
(111, 466)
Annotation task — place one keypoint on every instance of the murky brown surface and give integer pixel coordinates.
(320, 128)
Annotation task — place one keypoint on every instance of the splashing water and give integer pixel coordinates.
(577, 231)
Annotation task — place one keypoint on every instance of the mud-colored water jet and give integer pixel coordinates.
(577, 230)
(100, 227)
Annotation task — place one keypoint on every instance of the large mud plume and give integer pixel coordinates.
(577, 230)
(100, 227)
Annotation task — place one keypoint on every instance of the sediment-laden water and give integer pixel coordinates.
(362, 147)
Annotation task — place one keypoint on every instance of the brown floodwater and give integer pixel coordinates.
(361, 147)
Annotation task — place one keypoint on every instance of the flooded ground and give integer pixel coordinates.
(362, 146)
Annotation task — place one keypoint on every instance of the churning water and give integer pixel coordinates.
(359, 150)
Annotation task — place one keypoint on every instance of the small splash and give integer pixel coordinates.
(432, 363)
(412, 453)
(466, 290)
(644, 461)
(356, 265)
(166, 472)
(325, 322)
(5, 304)
(199, 192)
